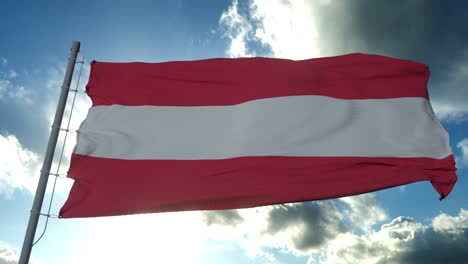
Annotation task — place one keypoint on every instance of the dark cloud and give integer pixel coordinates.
(318, 223)
(407, 241)
(429, 31)
(224, 217)
(423, 30)
(431, 247)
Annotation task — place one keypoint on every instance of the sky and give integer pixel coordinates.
(406, 224)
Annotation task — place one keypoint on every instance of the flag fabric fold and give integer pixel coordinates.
(235, 133)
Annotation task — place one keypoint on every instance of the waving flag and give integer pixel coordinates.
(235, 133)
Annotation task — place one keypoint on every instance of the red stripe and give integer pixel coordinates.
(234, 81)
(105, 187)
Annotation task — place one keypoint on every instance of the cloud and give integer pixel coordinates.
(440, 242)
(372, 247)
(237, 30)
(424, 31)
(344, 231)
(455, 225)
(18, 93)
(305, 226)
(449, 94)
(18, 166)
(19, 171)
(222, 217)
(3, 61)
(405, 240)
(12, 91)
(463, 146)
(301, 229)
(298, 228)
(7, 254)
(283, 28)
(363, 211)
(12, 74)
(297, 29)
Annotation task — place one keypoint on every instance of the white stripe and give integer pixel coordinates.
(283, 126)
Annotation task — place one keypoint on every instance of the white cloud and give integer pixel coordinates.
(8, 255)
(12, 74)
(463, 146)
(19, 93)
(19, 166)
(449, 112)
(373, 247)
(3, 61)
(364, 210)
(287, 28)
(451, 224)
(237, 30)
(404, 240)
(12, 91)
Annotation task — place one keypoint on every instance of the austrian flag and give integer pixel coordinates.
(235, 133)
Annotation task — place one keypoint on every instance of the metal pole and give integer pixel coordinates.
(49, 156)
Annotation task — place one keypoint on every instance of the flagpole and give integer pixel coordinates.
(49, 156)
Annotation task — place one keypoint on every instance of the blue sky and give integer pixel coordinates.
(404, 224)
